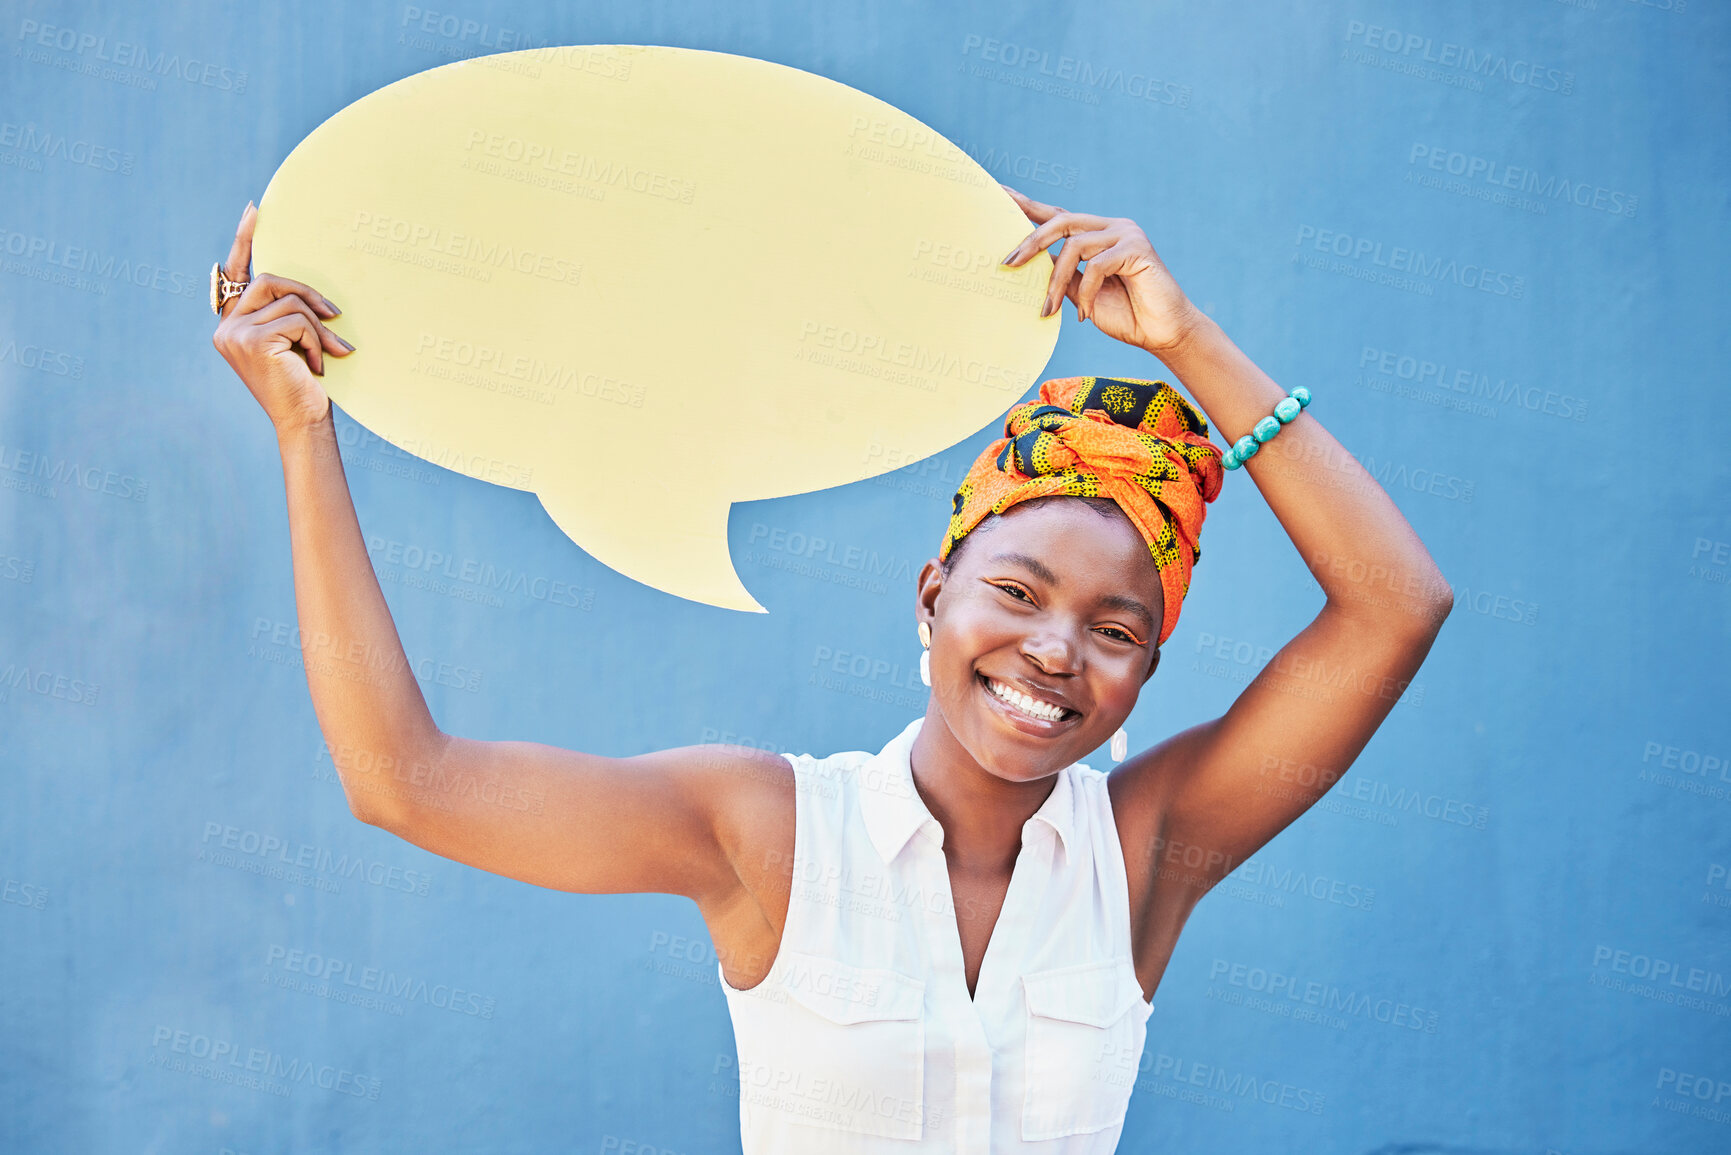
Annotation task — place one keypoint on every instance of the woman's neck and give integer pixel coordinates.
(981, 813)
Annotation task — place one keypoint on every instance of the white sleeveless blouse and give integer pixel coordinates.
(862, 1038)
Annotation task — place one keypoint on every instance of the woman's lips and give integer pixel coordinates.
(1021, 718)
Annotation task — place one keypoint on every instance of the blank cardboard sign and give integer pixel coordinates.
(648, 282)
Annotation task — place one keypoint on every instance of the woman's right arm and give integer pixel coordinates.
(691, 821)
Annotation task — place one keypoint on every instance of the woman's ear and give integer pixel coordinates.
(1152, 666)
(931, 581)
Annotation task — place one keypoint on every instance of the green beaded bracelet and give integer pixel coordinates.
(1285, 410)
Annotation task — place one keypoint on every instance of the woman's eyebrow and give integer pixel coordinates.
(1031, 564)
(1038, 568)
(1129, 605)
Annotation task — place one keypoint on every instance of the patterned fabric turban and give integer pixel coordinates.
(1136, 442)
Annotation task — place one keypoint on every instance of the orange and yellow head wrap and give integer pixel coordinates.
(1136, 442)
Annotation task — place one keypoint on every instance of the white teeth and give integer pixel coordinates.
(1031, 706)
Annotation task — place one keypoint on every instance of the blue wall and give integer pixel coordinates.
(1518, 902)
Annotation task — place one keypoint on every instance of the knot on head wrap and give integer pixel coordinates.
(1136, 442)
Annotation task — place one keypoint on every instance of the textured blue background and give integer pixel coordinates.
(1518, 898)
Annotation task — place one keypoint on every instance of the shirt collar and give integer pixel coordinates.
(893, 809)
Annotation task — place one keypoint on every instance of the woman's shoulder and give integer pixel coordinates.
(895, 746)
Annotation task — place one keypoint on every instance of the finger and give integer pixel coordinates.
(292, 303)
(267, 287)
(1062, 225)
(1109, 262)
(239, 261)
(1037, 212)
(1076, 250)
(1032, 209)
(240, 253)
(298, 332)
(1063, 269)
(1070, 291)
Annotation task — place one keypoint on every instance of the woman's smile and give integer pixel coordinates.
(1030, 709)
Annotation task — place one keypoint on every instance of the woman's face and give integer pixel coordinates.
(1052, 601)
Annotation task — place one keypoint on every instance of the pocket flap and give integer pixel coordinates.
(849, 994)
(1097, 994)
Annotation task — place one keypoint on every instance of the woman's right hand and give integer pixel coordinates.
(273, 335)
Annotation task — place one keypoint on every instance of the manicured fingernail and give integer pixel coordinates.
(332, 306)
(1013, 252)
(344, 343)
(1046, 308)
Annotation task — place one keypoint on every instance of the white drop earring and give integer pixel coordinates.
(926, 654)
(1120, 745)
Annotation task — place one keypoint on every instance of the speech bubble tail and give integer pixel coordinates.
(689, 555)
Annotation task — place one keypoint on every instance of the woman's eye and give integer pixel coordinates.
(1016, 592)
(1119, 635)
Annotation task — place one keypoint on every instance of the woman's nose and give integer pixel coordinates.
(1052, 652)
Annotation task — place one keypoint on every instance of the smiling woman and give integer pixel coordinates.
(950, 944)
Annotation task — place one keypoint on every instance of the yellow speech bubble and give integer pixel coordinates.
(647, 282)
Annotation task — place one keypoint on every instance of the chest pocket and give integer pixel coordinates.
(855, 1048)
(1086, 1028)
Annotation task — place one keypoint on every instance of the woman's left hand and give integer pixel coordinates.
(1125, 289)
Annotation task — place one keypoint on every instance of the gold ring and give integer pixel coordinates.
(223, 290)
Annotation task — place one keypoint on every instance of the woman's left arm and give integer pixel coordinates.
(1210, 796)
